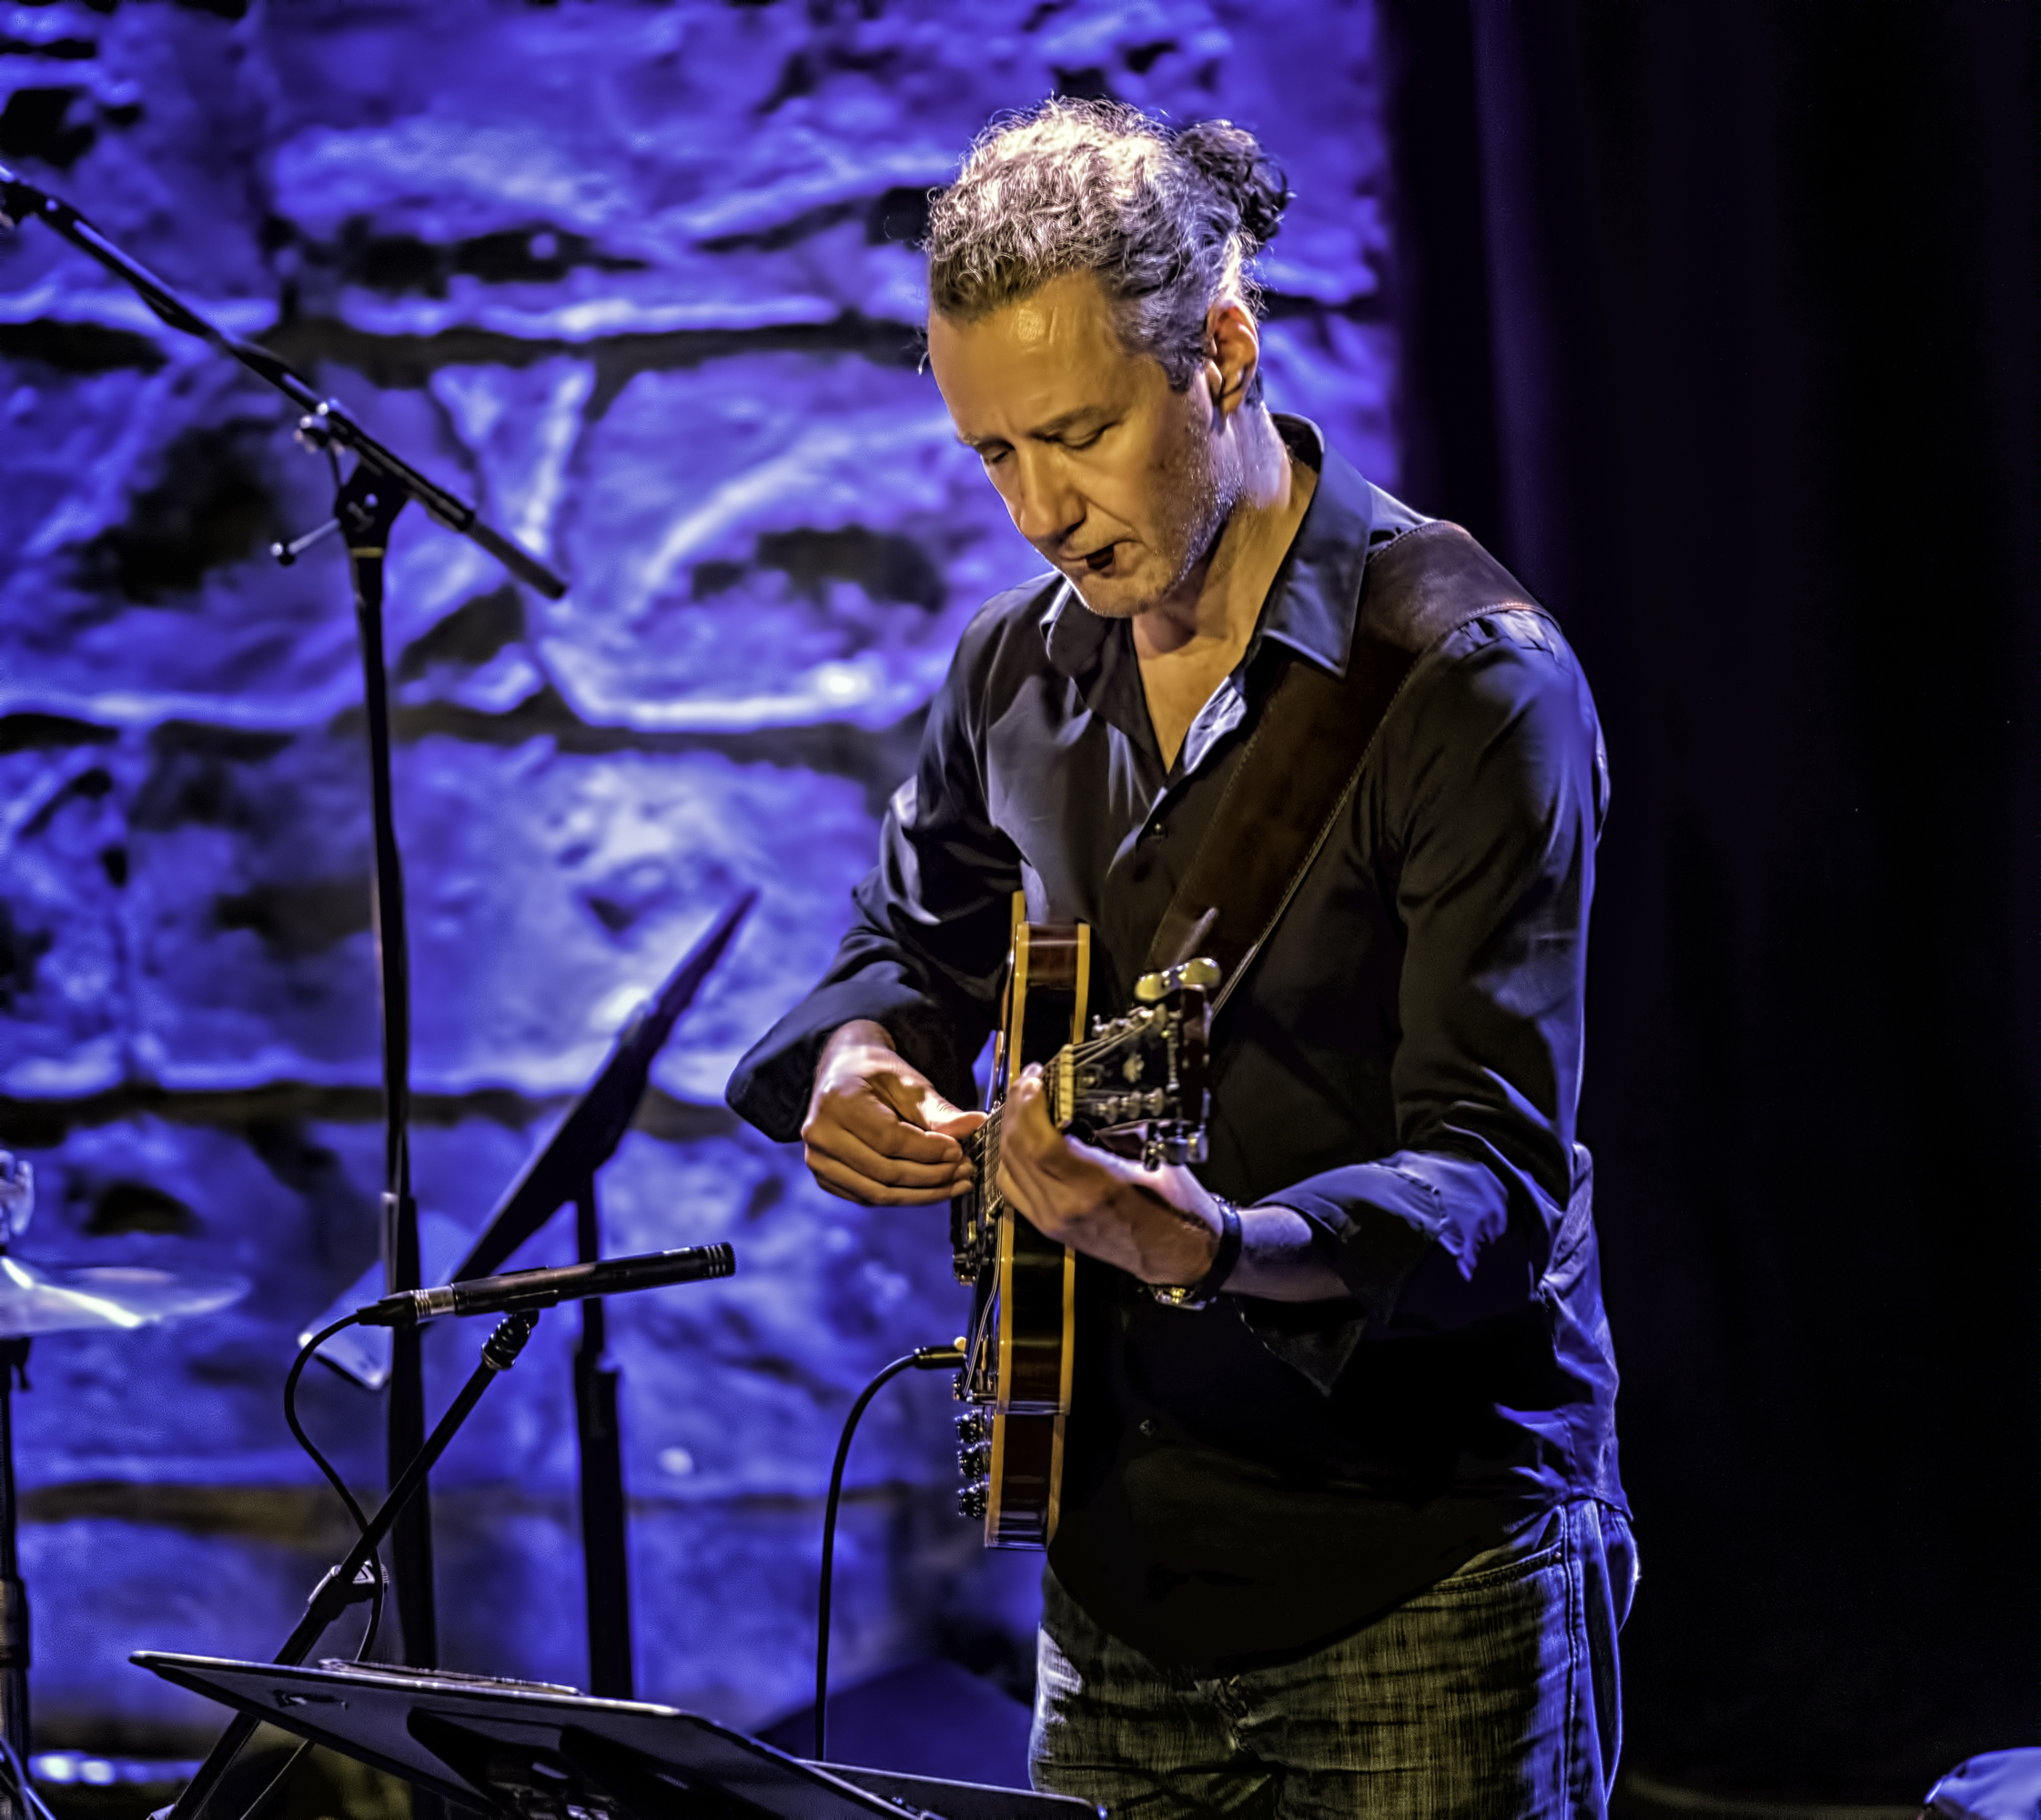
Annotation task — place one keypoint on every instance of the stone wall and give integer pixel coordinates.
(638, 278)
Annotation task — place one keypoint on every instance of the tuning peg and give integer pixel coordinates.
(1200, 972)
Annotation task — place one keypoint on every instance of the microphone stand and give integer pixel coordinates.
(366, 504)
(605, 1514)
(565, 1171)
(343, 1584)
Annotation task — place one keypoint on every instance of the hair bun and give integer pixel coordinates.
(1231, 160)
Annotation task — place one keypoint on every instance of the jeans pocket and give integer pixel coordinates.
(1538, 1548)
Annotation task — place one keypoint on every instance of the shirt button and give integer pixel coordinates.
(1150, 1429)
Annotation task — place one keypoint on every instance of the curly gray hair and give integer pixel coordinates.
(1168, 220)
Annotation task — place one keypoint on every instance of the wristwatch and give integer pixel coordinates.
(1205, 1289)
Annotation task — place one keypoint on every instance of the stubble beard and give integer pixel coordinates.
(1200, 502)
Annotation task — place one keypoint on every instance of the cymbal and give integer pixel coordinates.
(62, 1299)
(18, 1196)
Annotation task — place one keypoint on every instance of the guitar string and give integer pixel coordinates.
(983, 1147)
(984, 1141)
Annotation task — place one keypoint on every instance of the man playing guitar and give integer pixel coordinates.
(1340, 1530)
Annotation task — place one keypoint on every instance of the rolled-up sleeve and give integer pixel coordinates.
(924, 954)
(1490, 800)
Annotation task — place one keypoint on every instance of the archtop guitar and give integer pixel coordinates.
(1136, 1085)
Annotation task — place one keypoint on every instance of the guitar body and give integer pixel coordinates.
(1023, 1303)
(1136, 1083)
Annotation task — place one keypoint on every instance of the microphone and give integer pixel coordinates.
(540, 1289)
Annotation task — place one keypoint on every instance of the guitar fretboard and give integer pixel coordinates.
(983, 1148)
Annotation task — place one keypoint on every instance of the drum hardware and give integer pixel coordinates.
(50, 1298)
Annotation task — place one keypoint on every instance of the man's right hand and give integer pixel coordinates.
(877, 1131)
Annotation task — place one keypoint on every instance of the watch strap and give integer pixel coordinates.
(1202, 1293)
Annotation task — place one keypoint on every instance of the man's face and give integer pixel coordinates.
(1105, 469)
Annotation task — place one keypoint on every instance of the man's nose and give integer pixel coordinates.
(1045, 507)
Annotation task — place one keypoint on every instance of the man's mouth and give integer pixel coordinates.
(1098, 561)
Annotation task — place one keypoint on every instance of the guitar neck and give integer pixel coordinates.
(1135, 1084)
(983, 1145)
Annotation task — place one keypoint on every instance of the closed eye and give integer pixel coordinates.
(992, 453)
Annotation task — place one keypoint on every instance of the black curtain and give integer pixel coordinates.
(1721, 327)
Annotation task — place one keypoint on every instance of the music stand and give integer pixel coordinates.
(565, 1170)
(542, 1752)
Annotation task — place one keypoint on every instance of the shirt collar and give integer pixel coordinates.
(1316, 595)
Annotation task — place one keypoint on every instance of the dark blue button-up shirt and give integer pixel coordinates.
(1400, 1065)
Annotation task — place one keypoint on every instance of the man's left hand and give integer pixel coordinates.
(1159, 1225)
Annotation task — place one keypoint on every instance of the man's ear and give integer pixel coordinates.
(1232, 354)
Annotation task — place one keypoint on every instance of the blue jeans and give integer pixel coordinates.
(1495, 1692)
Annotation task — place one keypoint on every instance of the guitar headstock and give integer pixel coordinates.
(1140, 1078)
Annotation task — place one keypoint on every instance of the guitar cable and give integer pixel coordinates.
(922, 1359)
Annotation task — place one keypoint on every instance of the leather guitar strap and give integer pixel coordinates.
(1304, 756)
